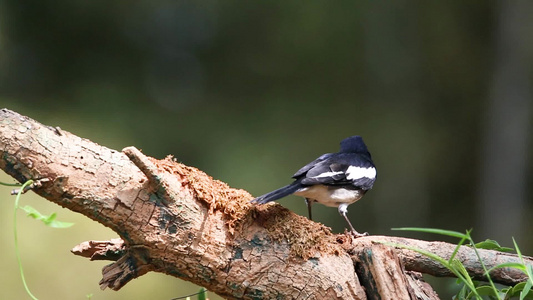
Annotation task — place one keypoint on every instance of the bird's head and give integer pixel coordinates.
(353, 144)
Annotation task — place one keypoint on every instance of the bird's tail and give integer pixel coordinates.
(277, 194)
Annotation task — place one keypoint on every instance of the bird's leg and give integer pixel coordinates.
(309, 202)
(343, 210)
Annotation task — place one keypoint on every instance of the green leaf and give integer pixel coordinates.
(433, 256)
(47, 220)
(506, 293)
(525, 291)
(461, 294)
(59, 224)
(517, 249)
(202, 295)
(459, 268)
(485, 290)
(514, 265)
(529, 272)
(436, 231)
(456, 250)
(492, 245)
(32, 212)
(517, 290)
(528, 268)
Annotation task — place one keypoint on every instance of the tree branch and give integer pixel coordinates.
(101, 250)
(177, 220)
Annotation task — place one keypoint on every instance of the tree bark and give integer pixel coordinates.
(177, 220)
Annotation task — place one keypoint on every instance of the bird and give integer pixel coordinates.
(333, 179)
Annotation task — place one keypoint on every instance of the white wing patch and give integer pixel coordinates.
(357, 172)
(327, 174)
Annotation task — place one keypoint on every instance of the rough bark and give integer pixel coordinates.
(175, 219)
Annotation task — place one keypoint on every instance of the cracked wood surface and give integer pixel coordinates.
(175, 219)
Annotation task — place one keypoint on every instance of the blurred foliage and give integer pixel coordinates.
(249, 92)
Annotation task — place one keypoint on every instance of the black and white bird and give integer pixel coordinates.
(334, 179)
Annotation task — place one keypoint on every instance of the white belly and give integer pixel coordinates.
(330, 196)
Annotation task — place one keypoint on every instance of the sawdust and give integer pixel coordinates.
(234, 203)
(306, 238)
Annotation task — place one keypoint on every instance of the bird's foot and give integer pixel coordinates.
(357, 234)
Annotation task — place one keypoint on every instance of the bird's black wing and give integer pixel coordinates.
(310, 165)
(342, 169)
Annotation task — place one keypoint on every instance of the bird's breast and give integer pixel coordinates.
(330, 195)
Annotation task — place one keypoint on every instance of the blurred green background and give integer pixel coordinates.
(251, 91)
